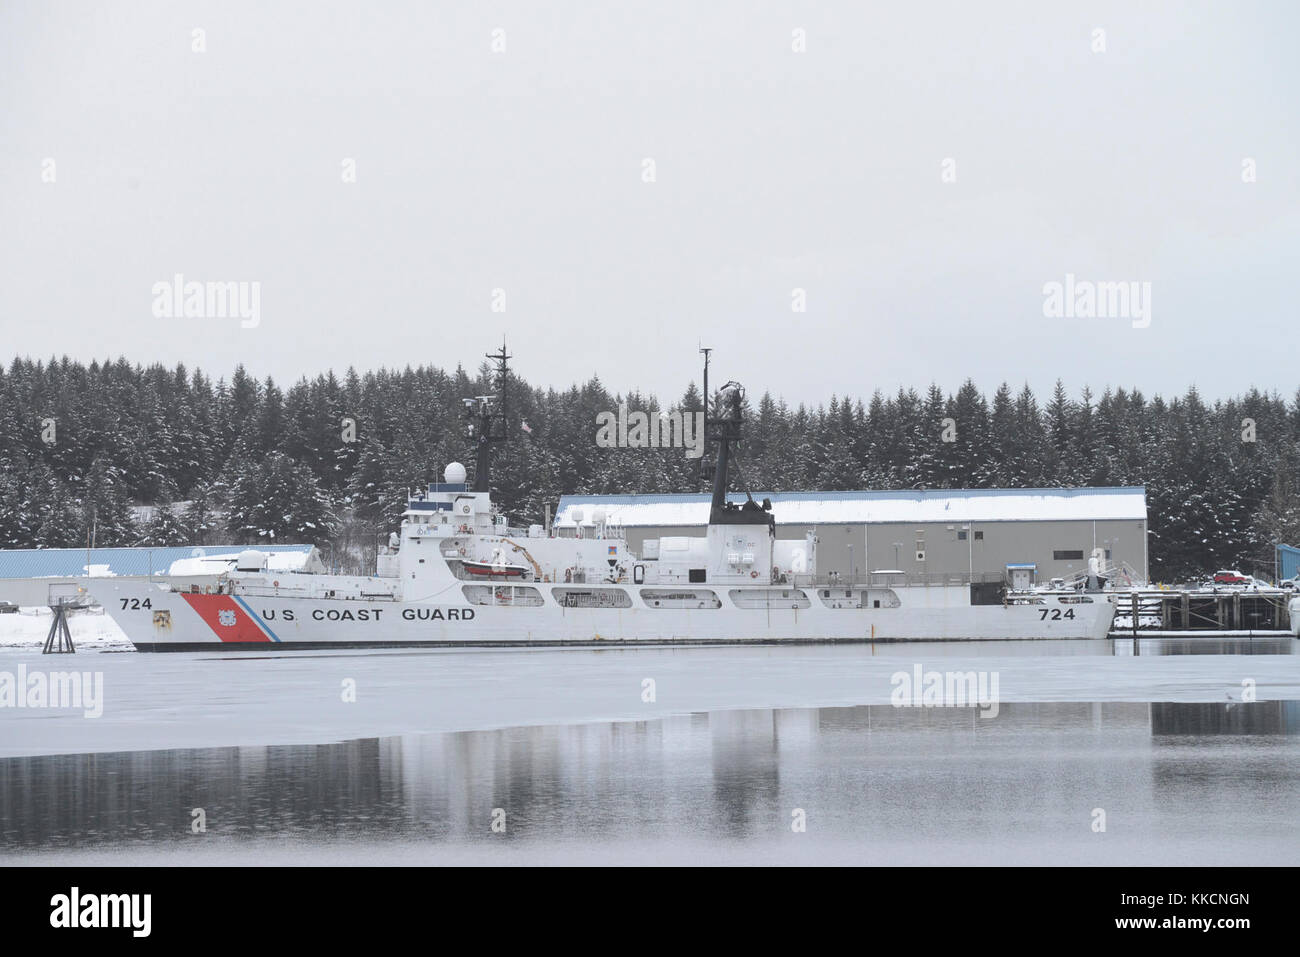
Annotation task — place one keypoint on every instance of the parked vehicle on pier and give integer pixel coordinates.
(1230, 576)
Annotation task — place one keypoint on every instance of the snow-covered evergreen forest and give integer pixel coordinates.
(247, 461)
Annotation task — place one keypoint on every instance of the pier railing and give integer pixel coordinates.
(1204, 611)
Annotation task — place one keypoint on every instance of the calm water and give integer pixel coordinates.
(1179, 781)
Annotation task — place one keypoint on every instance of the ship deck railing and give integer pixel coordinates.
(888, 579)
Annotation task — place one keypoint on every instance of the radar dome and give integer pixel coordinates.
(454, 474)
(598, 516)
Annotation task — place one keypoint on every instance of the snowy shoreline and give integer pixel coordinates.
(92, 628)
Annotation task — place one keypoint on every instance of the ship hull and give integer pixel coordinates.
(156, 619)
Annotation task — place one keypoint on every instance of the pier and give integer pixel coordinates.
(1192, 612)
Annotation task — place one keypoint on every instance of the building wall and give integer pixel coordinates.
(1288, 561)
(946, 555)
(990, 546)
(33, 592)
(40, 592)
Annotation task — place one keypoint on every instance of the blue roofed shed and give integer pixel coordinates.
(29, 576)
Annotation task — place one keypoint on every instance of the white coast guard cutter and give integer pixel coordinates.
(457, 574)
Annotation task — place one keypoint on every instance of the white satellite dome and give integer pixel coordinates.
(598, 516)
(575, 515)
(454, 474)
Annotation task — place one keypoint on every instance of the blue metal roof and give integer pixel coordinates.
(71, 562)
(853, 495)
(878, 507)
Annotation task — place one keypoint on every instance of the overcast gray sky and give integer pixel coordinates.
(523, 170)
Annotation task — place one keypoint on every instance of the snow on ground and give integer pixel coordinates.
(91, 628)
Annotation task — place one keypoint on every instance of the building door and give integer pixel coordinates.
(1022, 576)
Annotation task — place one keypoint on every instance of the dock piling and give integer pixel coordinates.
(59, 640)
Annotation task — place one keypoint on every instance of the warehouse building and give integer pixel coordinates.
(1022, 536)
(1286, 562)
(41, 576)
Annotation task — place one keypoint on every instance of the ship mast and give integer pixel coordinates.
(702, 469)
(487, 419)
(725, 429)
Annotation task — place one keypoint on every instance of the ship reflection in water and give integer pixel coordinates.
(1192, 783)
